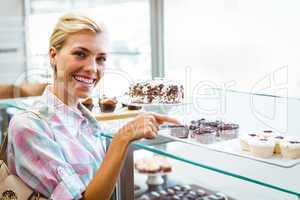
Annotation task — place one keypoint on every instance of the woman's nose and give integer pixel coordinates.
(92, 65)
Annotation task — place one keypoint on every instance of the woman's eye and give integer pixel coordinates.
(101, 60)
(80, 54)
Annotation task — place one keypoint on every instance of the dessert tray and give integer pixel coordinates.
(233, 147)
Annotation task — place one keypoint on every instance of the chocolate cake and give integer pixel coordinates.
(156, 92)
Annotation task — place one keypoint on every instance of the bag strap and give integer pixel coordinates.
(34, 195)
(3, 147)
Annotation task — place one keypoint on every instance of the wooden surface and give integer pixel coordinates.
(124, 114)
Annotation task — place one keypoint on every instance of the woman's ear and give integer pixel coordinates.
(52, 56)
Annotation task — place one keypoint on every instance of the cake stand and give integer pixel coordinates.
(152, 107)
(155, 181)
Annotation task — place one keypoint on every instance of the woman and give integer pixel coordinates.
(56, 147)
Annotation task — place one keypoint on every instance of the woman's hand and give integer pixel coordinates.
(145, 125)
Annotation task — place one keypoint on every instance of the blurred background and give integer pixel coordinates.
(249, 46)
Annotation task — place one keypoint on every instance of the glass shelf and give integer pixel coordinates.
(242, 168)
(253, 112)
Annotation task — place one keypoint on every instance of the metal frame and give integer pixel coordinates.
(125, 186)
(157, 37)
(26, 12)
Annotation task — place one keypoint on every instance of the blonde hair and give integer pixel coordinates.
(69, 24)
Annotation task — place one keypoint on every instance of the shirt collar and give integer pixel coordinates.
(86, 113)
(57, 106)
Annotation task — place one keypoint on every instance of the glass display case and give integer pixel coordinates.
(224, 168)
(233, 173)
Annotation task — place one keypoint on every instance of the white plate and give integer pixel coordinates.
(233, 147)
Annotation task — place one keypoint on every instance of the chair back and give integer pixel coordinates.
(23, 90)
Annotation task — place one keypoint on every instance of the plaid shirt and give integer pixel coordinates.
(57, 151)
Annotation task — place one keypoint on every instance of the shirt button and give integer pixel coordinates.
(60, 171)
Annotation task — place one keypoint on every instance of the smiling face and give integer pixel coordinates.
(79, 65)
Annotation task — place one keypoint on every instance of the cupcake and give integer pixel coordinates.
(198, 122)
(228, 131)
(290, 149)
(194, 124)
(205, 135)
(88, 103)
(262, 147)
(214, 124)
(180, 131)
(147, 165)
(277, 139)
(165, 165)
(267, 133)
(107, 104)
(245, 139)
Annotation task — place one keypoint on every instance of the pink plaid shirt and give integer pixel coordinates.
(56, 152)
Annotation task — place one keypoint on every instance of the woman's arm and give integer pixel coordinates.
(103, 183)
(144, 126)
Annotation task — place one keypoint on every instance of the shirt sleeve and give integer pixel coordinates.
(39, 161)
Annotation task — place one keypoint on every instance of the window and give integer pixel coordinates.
(247, 45)
(128, 24)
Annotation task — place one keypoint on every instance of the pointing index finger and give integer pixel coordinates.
(164, 118)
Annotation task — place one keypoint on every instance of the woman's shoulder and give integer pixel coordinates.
(31, 121)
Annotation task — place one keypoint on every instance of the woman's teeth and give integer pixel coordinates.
(84, 80)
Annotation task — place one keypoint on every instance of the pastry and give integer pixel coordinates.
(278, 139)
(153, 164)
(107, 104)
(267, 133)
(228, 131)
(88, 103)
(214, 124)
(223, 131)
(290, 149)
(245, 139)
(180, 131)
(205, 135)
(262, 147)
(156, 91)
(164, 164)
(185, 192)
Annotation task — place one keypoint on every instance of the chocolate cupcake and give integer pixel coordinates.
(205, 135)
(180, 131)
(107, 104)
(213, 124)
(88, 103)
(228, 131)
(198, 122)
